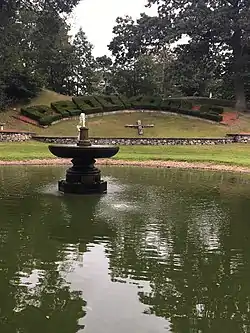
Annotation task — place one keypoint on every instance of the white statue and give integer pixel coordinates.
(82, 123)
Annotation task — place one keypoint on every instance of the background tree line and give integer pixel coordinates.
(38, 51)
(215, 58)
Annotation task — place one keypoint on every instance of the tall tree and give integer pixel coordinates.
(84, 65)
(222, 23)
(138, 77)
(104, 74)
(35, 47)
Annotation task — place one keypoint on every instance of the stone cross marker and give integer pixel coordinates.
(140, 126)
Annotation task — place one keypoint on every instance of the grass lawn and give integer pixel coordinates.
(234, 154)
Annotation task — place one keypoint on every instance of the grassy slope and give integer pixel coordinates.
(236, 154)
(165, 125)
(46, 97)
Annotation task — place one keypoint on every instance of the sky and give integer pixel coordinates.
(97, 18)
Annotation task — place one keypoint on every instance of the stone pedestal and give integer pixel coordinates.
(83, 178)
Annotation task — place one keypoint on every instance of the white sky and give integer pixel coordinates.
(97, 18)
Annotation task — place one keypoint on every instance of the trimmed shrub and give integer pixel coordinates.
(186, 105)
(175, 105)
(65, 108)
(116, 100)
(109, 103)
(88, 104)
(206, 100)
(217, 109)
(211, 109)
(75, 113)
(125, 101)
(165, 105)
(136, 102)
(36, 112)
(48, 120)
(146, 102)
(214, 117)
(213, 101)
(205, 108)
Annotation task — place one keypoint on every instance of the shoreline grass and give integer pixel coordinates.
(231, 154)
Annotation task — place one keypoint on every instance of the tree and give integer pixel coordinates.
(104, 73)
(84, 64)
(219, 23)
(35, 48)
(138, 77)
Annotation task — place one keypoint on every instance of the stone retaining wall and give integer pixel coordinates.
(241, 138)
(15, 136)
(19, 136)
(139, 141)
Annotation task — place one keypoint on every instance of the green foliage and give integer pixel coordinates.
(109, 103)
(217, 109)
(125, 100)
(49, 119)
(184, 106)
(146, 102)
(88, 104)
(209, 101)
(42, 113)
(37, 51)
(171, 104)
(83, 65)
(36, 112)
(213, 28)
(138, 77)
(100, 103)
(66, 108)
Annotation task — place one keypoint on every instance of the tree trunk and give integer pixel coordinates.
(238, 71)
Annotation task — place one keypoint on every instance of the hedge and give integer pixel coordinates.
(47, 120)
(211, 109)
(99, 103)
(200, 114)
(66, 108)
(109, 103)
(88, 104)
(205, 100)
(125, 101)
(146, 102)
(36, 112)
(217, 109)
(175, 104)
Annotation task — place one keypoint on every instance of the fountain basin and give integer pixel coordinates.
(83, 152)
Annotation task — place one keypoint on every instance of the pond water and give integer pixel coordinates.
(163, 251)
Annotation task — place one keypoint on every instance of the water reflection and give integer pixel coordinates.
(165, 250)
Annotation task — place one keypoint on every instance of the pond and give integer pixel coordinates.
(163, 251)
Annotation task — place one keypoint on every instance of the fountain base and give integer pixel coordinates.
(79, 188)
(83, 178)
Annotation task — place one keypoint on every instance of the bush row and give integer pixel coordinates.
(36, 112)
(205, 100)
(99, 103)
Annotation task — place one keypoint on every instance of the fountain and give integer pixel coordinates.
(83, 177)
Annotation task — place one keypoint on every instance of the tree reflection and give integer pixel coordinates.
(48, 305)
(196, 286)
